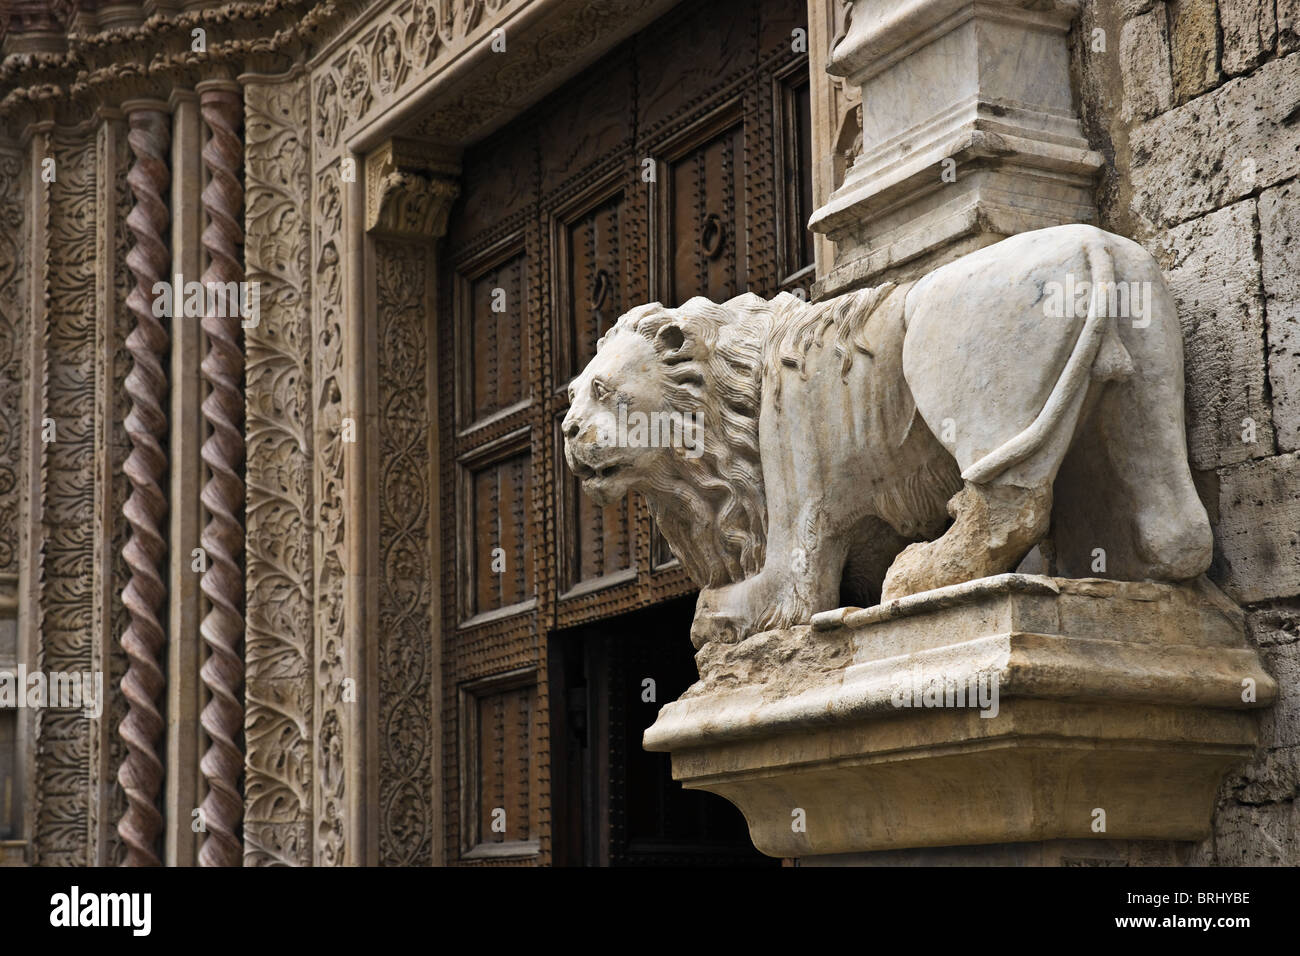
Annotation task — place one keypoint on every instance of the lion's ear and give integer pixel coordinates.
(670, 340)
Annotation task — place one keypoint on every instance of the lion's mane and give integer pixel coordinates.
(711, 508)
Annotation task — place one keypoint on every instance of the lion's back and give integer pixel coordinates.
(840, 420)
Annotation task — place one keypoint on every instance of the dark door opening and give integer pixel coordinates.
(616, 804)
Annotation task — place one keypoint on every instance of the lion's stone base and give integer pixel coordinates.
(1093, 852)
(1114, 709)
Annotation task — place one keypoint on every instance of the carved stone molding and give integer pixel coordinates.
(34, 26)
(386, 57)
(410, 188)
(278, 430)
(837, 113)
(98, 58)
(31, 479)
(223, 495)
(386, 66)
(16, 327)
(141, 773)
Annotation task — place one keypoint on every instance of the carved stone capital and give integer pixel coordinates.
(410, 188)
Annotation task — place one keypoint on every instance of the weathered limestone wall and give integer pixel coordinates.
(1195, 105)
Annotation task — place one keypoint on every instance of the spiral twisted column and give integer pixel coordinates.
(222, 583)
(141, 772)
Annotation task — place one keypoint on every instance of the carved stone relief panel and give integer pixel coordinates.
(846, 104)
(407, 497)
(330, 560)
(397, 49)
(279, 516)
(12, 328)
(14, 331)
(63, 811)
(836, 113)
(560, 35)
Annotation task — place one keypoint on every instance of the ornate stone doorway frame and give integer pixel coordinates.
(351, 172)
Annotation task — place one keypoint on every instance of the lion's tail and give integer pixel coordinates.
(1075, 377)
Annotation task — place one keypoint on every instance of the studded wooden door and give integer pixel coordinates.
(675, 166)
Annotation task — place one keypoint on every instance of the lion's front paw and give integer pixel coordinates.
(719, 628)
(714, 621)
(911, 573)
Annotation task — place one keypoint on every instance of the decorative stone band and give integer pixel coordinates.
(1007, 709)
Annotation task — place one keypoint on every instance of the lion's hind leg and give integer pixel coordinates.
(1128, 508)
(993, 528)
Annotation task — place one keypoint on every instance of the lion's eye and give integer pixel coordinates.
(599, 389)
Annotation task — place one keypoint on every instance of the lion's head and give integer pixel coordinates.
(669, 407)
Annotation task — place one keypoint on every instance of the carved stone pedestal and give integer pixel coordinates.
(1012, 709)
(969, 134)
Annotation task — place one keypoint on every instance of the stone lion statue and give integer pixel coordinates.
(799, 456)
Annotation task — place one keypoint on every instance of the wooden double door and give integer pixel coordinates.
(616, 804)
(676, 166)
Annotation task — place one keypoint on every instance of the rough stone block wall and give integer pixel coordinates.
(1196, 106)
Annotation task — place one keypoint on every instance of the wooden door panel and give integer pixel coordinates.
(591, 122)
(498, 537)
(498, 796)
(600, 541)
(795, 203)
(603, 538)
(498, 183)
(505, 765)
(777, 21)
(699, 49)
(597, 277)
(619, 804)
(708, 231)
(497, 338)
